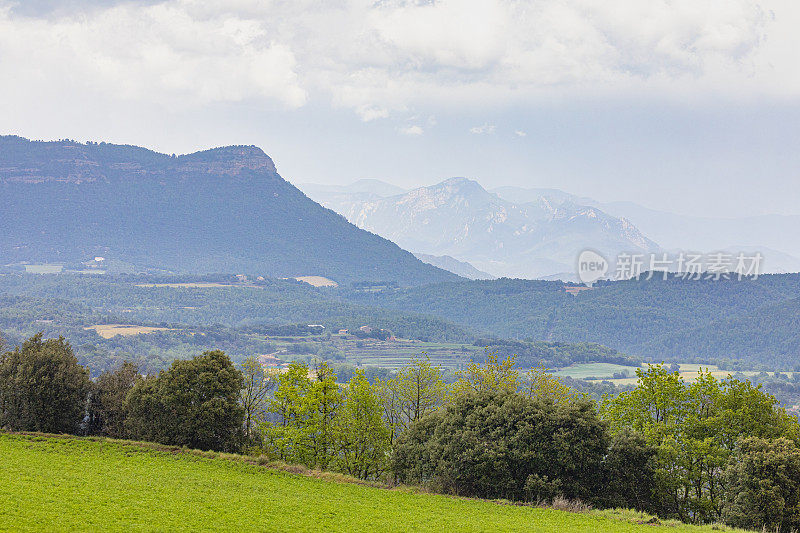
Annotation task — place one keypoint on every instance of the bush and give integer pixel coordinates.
(629, 473)
(506, 445)
(108, 401)
(764, 485)
(195, 403)
(42, 387)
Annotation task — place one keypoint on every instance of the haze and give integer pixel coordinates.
(690, 107)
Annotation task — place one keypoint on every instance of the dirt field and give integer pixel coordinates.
(191, 285)
(318, 281)
(112, 330)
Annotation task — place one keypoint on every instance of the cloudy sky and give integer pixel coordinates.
(690, 106)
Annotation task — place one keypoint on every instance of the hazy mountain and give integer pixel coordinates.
(522, 195)
(363, 186)
(777, 237)
(220, 210)
(451, 264)
(460, 218)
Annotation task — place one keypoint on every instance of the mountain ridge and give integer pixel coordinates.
(220, 210)
(459, 218)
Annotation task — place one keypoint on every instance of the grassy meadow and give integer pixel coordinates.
(71, 483)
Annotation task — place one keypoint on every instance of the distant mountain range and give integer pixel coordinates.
(462, 268)
(220, 210)
(459, 218)
(777, 237)
(536, 232)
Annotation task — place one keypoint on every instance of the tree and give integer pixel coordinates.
(542, 384)
(694, 427)
(495, 375)
(108, 401)
(42, 387)
(254, 393)
(324, 400)
(629, 473)
(362, 438)
(305, 409)
(285, 438)
(416, 390)
(764, 479)
(496, 444)
(195, 403)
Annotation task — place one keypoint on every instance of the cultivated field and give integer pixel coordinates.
(386, 354)
(74, 484)
(112, 330)
(317, 281)
(198, 285)
(606, 371)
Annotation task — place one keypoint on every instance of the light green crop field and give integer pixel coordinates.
(52, 483)
(605, 371)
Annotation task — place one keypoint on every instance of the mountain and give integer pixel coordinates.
(458, 217)
(220, 210)
(451, 264)
(777, 237)
(367, 187)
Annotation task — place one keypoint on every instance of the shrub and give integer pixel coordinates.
(42, 387)
(195, 404)
(764, 485)
(505, 445)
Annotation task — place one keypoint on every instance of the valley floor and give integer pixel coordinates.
(69, 483)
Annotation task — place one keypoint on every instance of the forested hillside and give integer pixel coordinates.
(221, 210)
(673, 319)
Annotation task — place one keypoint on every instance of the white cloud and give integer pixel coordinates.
(160, 53)
(393, 57)
(485, 128)
(368, 113)
(411, 130)
(520, 133)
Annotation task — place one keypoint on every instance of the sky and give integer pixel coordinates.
(690, 106)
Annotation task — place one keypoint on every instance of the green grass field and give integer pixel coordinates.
(61, 483)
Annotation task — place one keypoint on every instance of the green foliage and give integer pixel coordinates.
(305, 409)
(195, 403)
(254, 395)
(629, 473)
(493, 375)
(689, 321)
(495, 444)
(542, 384)
(362, 438)
(42, 387)
(108, 402)
(416, 389)
(695, 428)
(764, 485)
(317, 424)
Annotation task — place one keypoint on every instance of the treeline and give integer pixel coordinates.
(707, 451)
(273, 302)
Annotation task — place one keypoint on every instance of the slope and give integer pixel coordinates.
(49, 482)
(221, 210)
